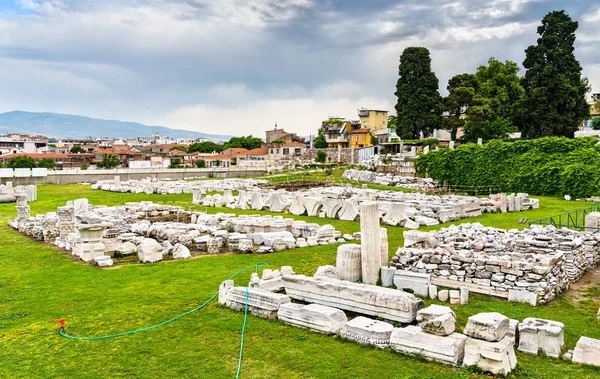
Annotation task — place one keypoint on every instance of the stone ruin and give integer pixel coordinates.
(531, 265)
(151, 186)
(488, 340)
(409, 210)
(98, 233)
(399, 180)
(8, 193)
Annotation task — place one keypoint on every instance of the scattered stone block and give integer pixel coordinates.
(418, 283)
(181, 252)
(497, 358)
(464, 295)
(437, 319)
(368, 331)
(433, 292)
(541, 335)
(261, 303)
(387, 276)
(454, 297)
(366, 299)
(587, 351)
(413, 340)
(522, 296)
(316, 317)
(327, 272)
(443, 295)
(491, 326)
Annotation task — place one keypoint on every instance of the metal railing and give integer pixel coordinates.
(574, 219)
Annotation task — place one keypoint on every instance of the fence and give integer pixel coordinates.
(574, 219)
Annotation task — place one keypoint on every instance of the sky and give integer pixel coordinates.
(240, 66)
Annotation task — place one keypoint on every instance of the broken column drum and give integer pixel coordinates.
(348, 262)
(370, 242)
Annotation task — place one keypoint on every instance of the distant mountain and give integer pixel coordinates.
(69, 126)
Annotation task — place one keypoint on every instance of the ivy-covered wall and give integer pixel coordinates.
(544, 166)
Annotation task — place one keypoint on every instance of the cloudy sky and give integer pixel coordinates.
(239, 66)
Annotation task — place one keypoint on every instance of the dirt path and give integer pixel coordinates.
(586, 288)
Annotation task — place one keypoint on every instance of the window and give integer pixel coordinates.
(286, 151)
(365, 124)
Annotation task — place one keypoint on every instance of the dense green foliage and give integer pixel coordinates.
(596, 123)
(21, 161)
(320, 141)
(180, 148)
(47, 163)
(1, 165)
(175, 163)
(201, 163)
(321, 156)
(278, 141)
(419, 106)
(546, 166)
(205, 147)
(77, 149)
(248, 142)
(109, 161)
(483, 104)
(84, 167)
(554, 103)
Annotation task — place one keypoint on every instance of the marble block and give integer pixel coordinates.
(418, 283)
(437, 319)
(541, 335)
(260, 303)
(368, 331)
(319, 318)
(413, 340)
(376, 301)
(495, 357)
(491, 326)
(587, 351)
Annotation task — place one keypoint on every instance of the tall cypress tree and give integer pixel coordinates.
(554, 103)
(419, 106)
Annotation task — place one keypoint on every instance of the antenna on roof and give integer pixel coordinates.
(275, 125)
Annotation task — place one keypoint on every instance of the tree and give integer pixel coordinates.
(21, 161)
(320, 141)
(419, 107)
(201, 163)
(374, 140)
(595, 123)
(180, 148)
(205, 147)
(50, 164)
(1, 165)
(321, 156)
(248, 142)
(278, 141)
(77, 149)
(109, 161)
(500, 82)
(175, 163)
(461, 93)
(84, 166)
(554, 103)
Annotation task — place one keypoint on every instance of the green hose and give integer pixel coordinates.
(255, 267)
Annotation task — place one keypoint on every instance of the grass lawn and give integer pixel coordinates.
(39, 284)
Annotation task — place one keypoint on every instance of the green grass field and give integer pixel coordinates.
(39, 284)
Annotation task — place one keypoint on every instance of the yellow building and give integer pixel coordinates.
(373, 119)
(360, 138)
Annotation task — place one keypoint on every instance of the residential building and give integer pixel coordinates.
(258, 154)
(360, 138)
(587, 124)
(59, 159)
(373, 119)
(124, 155)
(280, 134)
(218, 160)
(287, 150)
(335, 130)
(237, 154)
(24, 143)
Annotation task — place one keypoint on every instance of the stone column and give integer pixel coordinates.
(503, 203)
(66, 222)
(352, 150)
(348, 262)
(23, 210)
(370, 242)
(385, 250)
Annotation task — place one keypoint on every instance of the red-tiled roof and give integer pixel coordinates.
(219, 156)
(259, 151)
(36, 156)
(294, 144)
(363, 130)
(113, 151)
(239, 150)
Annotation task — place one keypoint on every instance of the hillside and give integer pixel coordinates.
(64, 125)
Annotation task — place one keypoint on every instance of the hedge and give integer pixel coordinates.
(544, 166)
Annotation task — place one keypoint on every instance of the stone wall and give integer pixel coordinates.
(344, 155)
(536, 263)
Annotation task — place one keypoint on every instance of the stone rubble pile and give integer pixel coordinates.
(151, 186)
(90, 232)
(532, 265)
(409, 210)
(388, 179)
